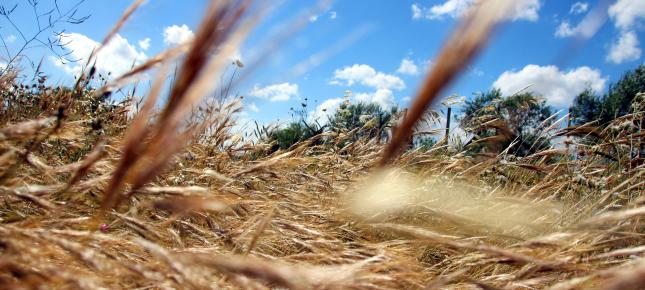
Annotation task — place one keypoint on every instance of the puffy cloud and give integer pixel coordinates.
(525, 10)
(558, 87)
(521, 10)
(627, 16)
(439, 127)
(565, 30)
(586, 28)
(477, 72)
(253, 107)
(326, 110)
(174, 35)
(10, 38)
(417, 12)
(627, 13)
(314, 17)
(452, 8)
(366, 75)
(579, 8)
(625, 49)
(145, 43)
(383, 97)
(116, 57)
(408, 67)
(275, 92)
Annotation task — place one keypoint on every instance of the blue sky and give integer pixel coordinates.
(377, 49)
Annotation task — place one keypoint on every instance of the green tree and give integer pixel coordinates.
(425, 143)
(615, 103)
(292, 134)
(514, 119)
(300, 129)
(586, 108)
(370, 118)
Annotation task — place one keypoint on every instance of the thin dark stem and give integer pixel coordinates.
(6, 48)
(33, 5)
(65, 17)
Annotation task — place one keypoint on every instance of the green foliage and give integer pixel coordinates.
(619, 98)
(370, 118)
(367, 120)
(586, 108)
(615, 103)
(292, 134)
(298, 130)
(479, 105)
(517, 118)
(425, 143)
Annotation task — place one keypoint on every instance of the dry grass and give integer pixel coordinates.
(94, 199)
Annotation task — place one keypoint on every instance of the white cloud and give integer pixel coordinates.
(477, 72)
(366, 75)
(174, 35)
(314, 17)
(417, 13)
(525, 10)
(10, 38)
(438, 126)
(117, 57)
(521, 10)
(275, 92)
(627, 13)
(253, 107)
(408, 67)
(383, 97)
(625, 49)
(557, 87)
(585, 29)
(627, 16)
(363, 97)
(565, 30)
(579, 8)
(452, 8)
(326, 109)
(145, 43)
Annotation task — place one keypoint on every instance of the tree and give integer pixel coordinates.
(292, 134)
(300, 129)
(586, 108)
(514, 119)
(615, 103)
(425, 143)
(370, 118)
